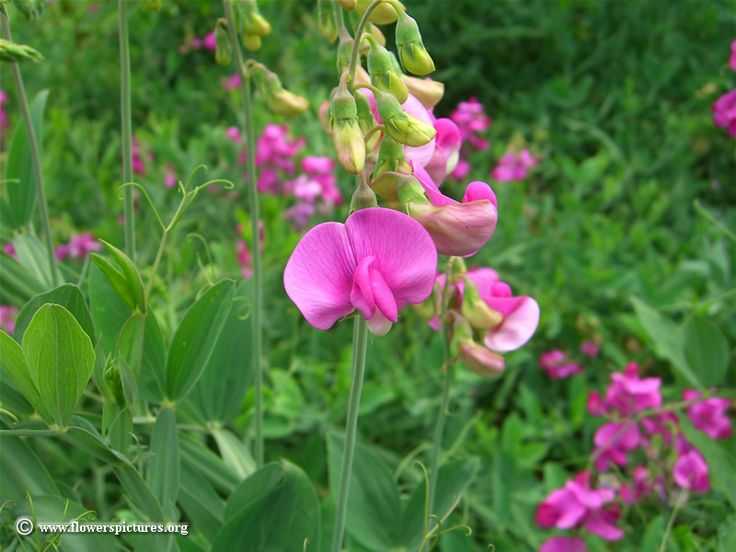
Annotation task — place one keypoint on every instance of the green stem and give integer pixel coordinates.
(359, 33)
(257, 288)
(126, 132)
(360, 344)
(35, 154)
(679, 503)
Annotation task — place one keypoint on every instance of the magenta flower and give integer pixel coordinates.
(233, 134)
(471, 119)
(558, 365)
(7, 318)
(299, 214)
(628, 394)
(663, 424)
(691, 472)
(275, 151)
(139, 166)
(514, 166)
(458, 229)
(633, 492)
(462, 170)
(446, 155)
(613, 442)
(169, 176)
(590, 348)
(709, 415)
(315, 165)
(732, 60)
(3, 115)
(563, 544)
(232, 82)
(338, 268)
(81, 245)
(724, 112)
(9, 249)
(209, 42)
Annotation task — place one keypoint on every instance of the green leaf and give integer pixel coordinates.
(60, 359)
(131, 276)
(32, 254)
(14, 369)
(117, 425)
(374, 509)
(706, 351)
(198, 458)
(19, 176)
(163, 470)
(667, 339)
(196, 337)
(276, 508)
(17, 284)
(23, 472)
(201, 503)
(129, 356)
(234, 453)
(109, 311)
(67, 295)
(653, 535)
(116, 279)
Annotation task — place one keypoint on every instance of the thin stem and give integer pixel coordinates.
(359, 33)
(257, 288)
(35, 154)
(679, 503)
(360, 345)
(126, 132)
(162, 245)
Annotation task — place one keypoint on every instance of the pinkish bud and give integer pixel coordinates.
(481, 359)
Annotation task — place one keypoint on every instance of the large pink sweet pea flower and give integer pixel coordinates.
(613, 442)
(514, 166)
(724, 112)
(338, 268)
(458, 229)
(709, 415)
(558, 365)
(691, 472)
(563, 544)
(7, 318)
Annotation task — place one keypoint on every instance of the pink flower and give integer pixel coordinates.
(275, 151)
(244, 259)
(268, 181)
(628, 394)
(724, 112)
(233, 134)
(209, 42)
(3, 115)
(691, 472)
(338, 268)
(613, 442)
(514, 167)
(7, 318)
(663, 424)
(472, 120)
(638, 488)
(232, 82)
(9, 249)
(732, 60)
(709, 415)
(61, 252)
(596, 406)
(169, 176)
(446, 152)
(315, 165)
(557, 365)
(299, 214)
(590, 348)
(459, 229)
(420, 155)
(81, 245)
(563, 544)
(139, 166)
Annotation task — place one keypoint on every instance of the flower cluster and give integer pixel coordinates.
(207, 42)
(471, 119)
(637, 423)
(558, 364)
(724, 108)
(79, 246)
(514, 167)
(7, 318)
(315, 190)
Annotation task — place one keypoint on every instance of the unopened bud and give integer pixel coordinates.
(279, 100)
(401, 126)
(427, 91)
(346, 132)
(390, 156)
(385, 73)
(252, 42)
(363, 197)
(383, 14)
(348, 4)
(411, 192)
(223, 53)
(326, 17)
(324, 116)
(14, 52)
(253, 23)
(476, 311)
(376, 33)
(367, 122)
(397, 188)
(32, 9)
(480, 359)
(414, 56)
(344, 52)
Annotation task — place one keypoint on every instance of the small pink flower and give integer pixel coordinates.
(596, 406)
(724, 112)
(61, 252)
(471, 119)
(590, 348)
(514, 167)
(663, 424)
(315, 165)
(209, 42)
(709, 415)
(446, 155)
(629, 394)
(613, 442)
(462, 170)
(81, 245)
(299, 214)
(563, 544)
(633, 492)
(169, 176)
(245, 259)
(691, 472)
(557, 365)
(338, 268)
(7, 318)
(139, 166)
(232, 82)
(732, 60)
(233, 134)
(9, 249)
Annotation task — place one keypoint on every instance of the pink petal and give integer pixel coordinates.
(419, 154)
(319, 275)
(516, 329)
(563, 544)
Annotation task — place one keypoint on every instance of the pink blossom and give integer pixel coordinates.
(61, 252)
(709, 415)
(275, 151)
(7, 318)
(139, 166)
(9, 249)
(245, 260)
(514, 166)
(471, 119)
(557, 365)
(299, 214)
(232, 82)
(315, 165)
(233, 134)
(3, 115)
(209, 42)
(169, 176)
(691, 472)
(338, 268)
(724, 112)
(420, 155)
(732, 60)
(268, 181)
(563, 544)
(596, 405)
(633, 492)
(81, 245)
(664, 424)
(629, 394)
(613, 442)
(446, 154)
(590, 348)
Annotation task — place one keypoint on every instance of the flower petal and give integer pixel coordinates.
(319, 275)
(516, 329)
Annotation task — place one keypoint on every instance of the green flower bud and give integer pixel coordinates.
(383, 14)
(385, 73)
(344, 52)
(14, 52)
(327, 18)
(401, 126)
(390, 156)
(476, 311)
(414, 56)
(411, 192)
(223, 53)
(32, 9)
(365, 115)
(346, 133)
(252, 42)
(363, 197)
(398, 188)
(252, 22)
(279, 100)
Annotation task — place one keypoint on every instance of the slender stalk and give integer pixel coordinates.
(360, 344)
(257, 289)
(35, 153)
(126, 131)
(359, 33)
(679, 503)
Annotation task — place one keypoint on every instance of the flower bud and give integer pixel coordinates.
(326, 17)
(383, 14)
(385, 73)
(252, 22)
(223, 54)
(480, 359)
(363, 197)
(14, 52)
(390, 157)
(344, 52)
(414, 56)
(398, 124)
(427, 91)
(348, 4)
(346, 132)
(279, 100)
(398, 188)
(324, 116)
(376, 33)
(476, 311)
(252, 42)
(32, 9)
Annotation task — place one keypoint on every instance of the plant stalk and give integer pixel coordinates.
(360, 345)
(35, 154)
(257, 288)
(126, 129)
